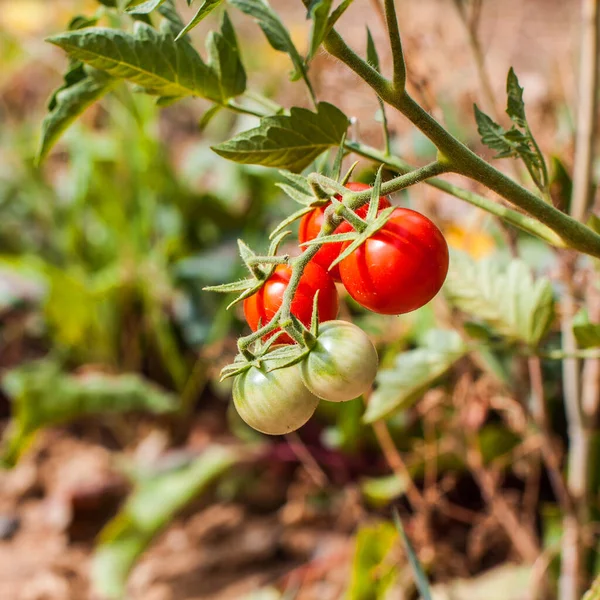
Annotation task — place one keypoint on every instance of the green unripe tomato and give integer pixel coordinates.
(343, 363)
(273, 403)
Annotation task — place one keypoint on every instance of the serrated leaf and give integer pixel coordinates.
(505, 297)
(43, 395)
(587, 334)
(147, 58)
(275, 32)
(173, 22)
(142, 7)
(288, 142)
(415, 371)
(142, 517)
(515, 107)
(71, 101)
(224, 59)
(205, 9)
(318, 11)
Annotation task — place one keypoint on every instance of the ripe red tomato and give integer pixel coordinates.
(311, 224)
(400, 268)
(263, 305)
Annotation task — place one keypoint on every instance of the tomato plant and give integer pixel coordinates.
(275, 402)
(264, 304)
(400, 268)
(342, 364)
(311, 223)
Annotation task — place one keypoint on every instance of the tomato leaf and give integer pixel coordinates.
(205, 9)
(586, 333)
(276, 33)
(42, 396)
(157, 63)
(505, 297)
(82, 88)
(142, 7)
(413, 372)
(125, 537)
(288, 142)
(224, 59)
(318, 11)
(518, 141)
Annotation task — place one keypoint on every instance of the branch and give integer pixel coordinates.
(399, 78)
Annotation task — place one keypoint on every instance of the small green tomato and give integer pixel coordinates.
(275, 402)
(343, 363)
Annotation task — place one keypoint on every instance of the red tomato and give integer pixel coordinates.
(400, 268)
(263, 305)
(311, 224)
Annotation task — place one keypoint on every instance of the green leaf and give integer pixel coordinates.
(205, 9)
(147, 58)
(518, 141)
(224, 59)
(173, 22)
(586, 333)
(413, 373)
(420, 577)
(288, 142)
(153, 503)
(276, 33)
(373, 573)
(515, 108)
(142, 7)
(69, 102)
(505, 297)
(318, 11)
(42, 396)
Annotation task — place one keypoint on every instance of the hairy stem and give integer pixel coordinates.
(399, 76)
(518, 219)
(461, 159)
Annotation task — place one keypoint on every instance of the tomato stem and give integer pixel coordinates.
(459, 158)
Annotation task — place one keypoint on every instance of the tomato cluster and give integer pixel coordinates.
(396, 270)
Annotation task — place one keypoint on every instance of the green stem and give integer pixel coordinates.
(399, 77)
(523, 222)
(462, 160)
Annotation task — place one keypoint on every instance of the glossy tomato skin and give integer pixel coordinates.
(262, 306)
(274, 403)
(400, 268)
(311, 223)
(343, 363)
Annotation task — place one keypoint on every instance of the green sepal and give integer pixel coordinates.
(293, 217)
(276, 241)
(330, 239)
(375, 195)
(346, 178)
(372, 228)
(336, 169)
(227, 288)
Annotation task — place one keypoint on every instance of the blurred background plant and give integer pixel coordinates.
(109, 346)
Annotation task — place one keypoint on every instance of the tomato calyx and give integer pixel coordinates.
(260, 267)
